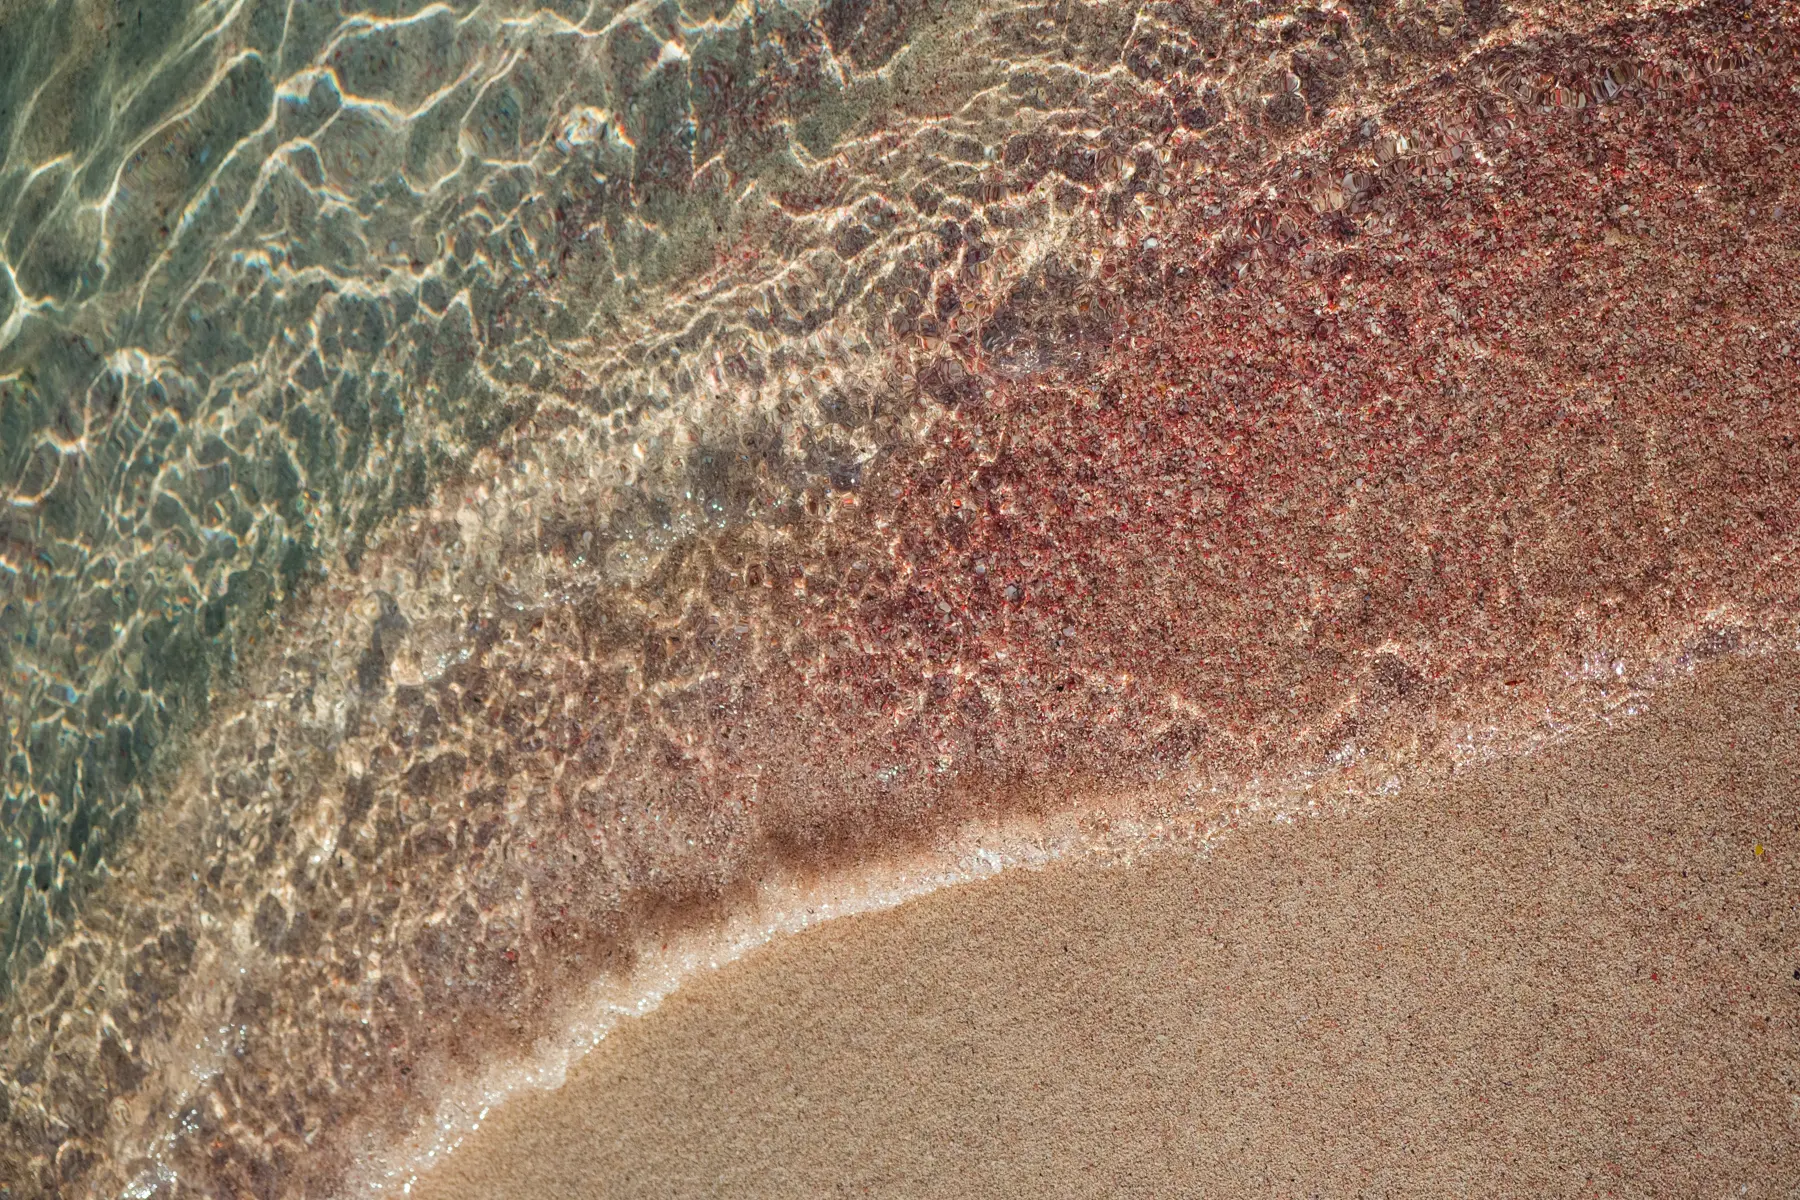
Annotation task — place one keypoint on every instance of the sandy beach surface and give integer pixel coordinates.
(1576, 973)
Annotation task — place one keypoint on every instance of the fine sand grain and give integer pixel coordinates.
(1572, 974)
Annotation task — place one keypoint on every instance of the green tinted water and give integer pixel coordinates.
(270, 271)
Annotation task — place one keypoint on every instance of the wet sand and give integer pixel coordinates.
(1575, 973)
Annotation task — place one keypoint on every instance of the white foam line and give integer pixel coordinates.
(784, 906)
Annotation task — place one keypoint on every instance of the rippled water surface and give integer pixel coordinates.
(489, 487)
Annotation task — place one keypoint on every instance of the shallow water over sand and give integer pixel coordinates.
(493, 487)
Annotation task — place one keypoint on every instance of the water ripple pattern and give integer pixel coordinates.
(271, 272)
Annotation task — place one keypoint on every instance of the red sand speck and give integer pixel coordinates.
(1514, 400)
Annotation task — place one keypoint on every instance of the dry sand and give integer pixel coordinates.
(1572, 974)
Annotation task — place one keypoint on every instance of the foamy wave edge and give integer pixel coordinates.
(785, 905)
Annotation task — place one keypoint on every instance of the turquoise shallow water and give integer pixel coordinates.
(488, 485)
(271, 272)
(230, 350)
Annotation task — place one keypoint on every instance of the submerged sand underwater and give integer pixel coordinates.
(495, 489)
